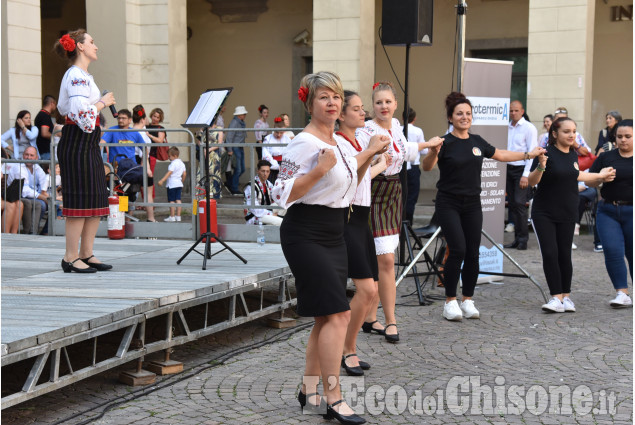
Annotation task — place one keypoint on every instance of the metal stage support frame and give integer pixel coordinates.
(422, 252)
(44, 375)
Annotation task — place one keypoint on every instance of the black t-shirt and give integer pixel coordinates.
(460, 163)
(43, 118)
(153, 149)
(557, 196)
(620, 189)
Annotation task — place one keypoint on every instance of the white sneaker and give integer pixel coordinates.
(576, 231)
(553, 306)
(573, 246)
(622, 300)
(469, 311)
(569, 307)
(178, 218)
(171, 218)
(452, 312)
(510, 228)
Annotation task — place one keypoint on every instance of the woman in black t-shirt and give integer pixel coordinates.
(615, 212)
(458, 203)
(554, 209)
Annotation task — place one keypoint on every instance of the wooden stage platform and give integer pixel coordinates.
(59, 328)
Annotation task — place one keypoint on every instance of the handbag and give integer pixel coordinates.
(162, 151)
(585, 162)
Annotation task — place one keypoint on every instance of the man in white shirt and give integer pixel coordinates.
(34, 191)
(415, 134)
(522, 136)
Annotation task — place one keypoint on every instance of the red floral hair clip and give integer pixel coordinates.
(375, 86)
(67, 43)
(303, 93)
(141, 112)
(277, 119)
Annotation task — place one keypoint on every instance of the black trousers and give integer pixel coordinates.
(554, 240)
(414, 175)
(461, 220)
(517, 198)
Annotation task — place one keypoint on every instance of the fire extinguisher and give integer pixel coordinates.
(202, 217)
(116, 219)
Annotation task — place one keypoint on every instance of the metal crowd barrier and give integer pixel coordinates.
(251, 169)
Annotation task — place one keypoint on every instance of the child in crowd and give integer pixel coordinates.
(175, 178)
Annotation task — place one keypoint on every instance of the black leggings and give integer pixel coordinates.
(461, 220)
(554, 240)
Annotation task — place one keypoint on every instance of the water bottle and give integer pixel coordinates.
(260, 238)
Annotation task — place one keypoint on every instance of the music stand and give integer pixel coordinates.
(204, 115)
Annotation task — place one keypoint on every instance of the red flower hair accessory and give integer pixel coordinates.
(141, 112)
(303, 93)
(277, 119)
(375, 86)
(67, 43)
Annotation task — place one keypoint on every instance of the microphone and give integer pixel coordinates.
(113, 110)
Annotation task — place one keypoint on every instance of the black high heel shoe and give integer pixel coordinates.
(69, 267)
(302, 399)
(343, 419)
(368, 328)
(352, 370)
(391, 338)
(100, 267)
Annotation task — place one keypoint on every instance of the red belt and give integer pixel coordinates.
(277, 158)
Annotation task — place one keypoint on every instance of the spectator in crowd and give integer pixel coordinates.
(415, 134)
(139, 122)
(553, 214)
(546, 124)
(261, 196)
(237, 151)
(34, 192)
(287, 123)
(44, 124)
(522, 136)
(175, 178)
(12, 206)
(273, 154)
(214, 161)
(607, 135)
(580, 146)
(156, 117)
(261, 122)
(124, 149)
(22, 135)
(615, 212)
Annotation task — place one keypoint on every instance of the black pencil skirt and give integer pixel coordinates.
(312, 240)
(362, 258)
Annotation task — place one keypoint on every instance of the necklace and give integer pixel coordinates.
(355, 143)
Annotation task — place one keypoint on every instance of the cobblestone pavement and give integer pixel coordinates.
(515, 351)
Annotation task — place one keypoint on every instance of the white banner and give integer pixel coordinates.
(490, 110)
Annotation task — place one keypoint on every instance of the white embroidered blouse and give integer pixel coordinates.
(362, 195)
(400, 149)
(78, 95)
(335, 190)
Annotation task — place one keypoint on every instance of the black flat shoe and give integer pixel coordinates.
(368, 328)
(351, 370)
(391, 338)
(69, 267)
(512, 245)
(100, 267)
(343, 419)
(364, 365)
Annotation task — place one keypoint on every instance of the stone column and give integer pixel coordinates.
(143, 54)
(22, 65)
(344, 42)
(560, 59)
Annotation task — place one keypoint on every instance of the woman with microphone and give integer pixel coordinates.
(84, 189)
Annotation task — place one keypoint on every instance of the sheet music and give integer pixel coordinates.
(207, 107)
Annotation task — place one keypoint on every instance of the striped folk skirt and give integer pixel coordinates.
(84, 186)
(386, 205)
